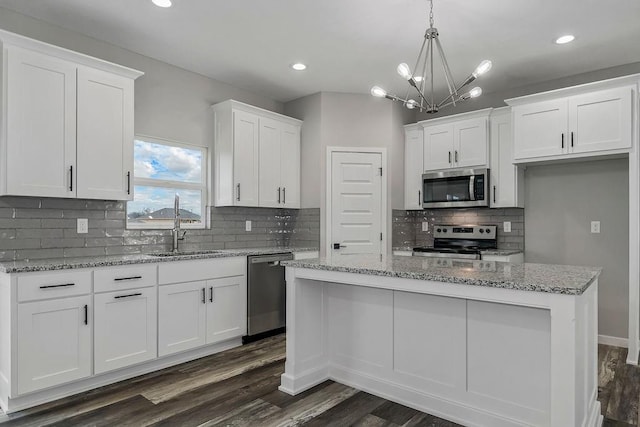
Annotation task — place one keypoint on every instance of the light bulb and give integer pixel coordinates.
(482, 68)
(404, 71)
(411, 104)
(378, 92)
(162, 3)
(475, 92)
(565, 39)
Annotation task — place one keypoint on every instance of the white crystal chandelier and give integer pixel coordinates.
(424, 72)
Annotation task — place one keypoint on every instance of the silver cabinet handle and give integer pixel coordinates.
(449, 156)
(204, 296)
(456, 156)
(57, 286)
(211, 294)
(494, 194)
(71, 178)
(419, 197)
(137, 294)
(278, 195)
(122, 279)
(284, 195)
(129, 182)
(562, 139)
(238, 192)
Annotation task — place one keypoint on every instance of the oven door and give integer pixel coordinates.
(455, 188)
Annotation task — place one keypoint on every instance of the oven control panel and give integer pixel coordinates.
(465, 231)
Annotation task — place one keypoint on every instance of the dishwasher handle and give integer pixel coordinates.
(272, 260)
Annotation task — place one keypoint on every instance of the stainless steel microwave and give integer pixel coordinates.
(459, 188)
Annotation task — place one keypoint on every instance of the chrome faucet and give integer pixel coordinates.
(176, 224)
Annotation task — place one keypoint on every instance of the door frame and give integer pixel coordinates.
(384, 206)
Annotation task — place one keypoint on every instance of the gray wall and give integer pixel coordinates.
(561, 201)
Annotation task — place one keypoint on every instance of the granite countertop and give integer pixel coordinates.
(557, 279)
(106, 261)
(496, 252)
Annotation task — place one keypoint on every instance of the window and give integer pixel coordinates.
(163, 169)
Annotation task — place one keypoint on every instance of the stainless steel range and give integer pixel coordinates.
(460, 241)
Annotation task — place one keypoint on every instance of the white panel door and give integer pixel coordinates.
(438, 147)
(126, 328)
(601, 120)
(290, 166)
(41, 125)
(54, 342)
(245, 158)
(540, 129)
(413, 168)
(105, 135)
(356, 203)
(181, 317)
(270, 190)
(470, 143)
(226, 308)
(503, 172)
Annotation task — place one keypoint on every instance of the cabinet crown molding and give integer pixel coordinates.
(237, 105)
(630, 80)
(485, 112)
(11, 39)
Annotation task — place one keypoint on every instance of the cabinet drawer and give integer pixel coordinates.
(201, 269)
(125, 277)
(53, 284)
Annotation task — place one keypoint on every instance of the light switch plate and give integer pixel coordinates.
(425, 226)
(506, 226)
(83, 225)
(247, 226)
(595, 226)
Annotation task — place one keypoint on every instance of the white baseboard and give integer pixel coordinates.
(613, 341)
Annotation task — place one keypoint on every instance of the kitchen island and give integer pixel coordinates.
(477, 342)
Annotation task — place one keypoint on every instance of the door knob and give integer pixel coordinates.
(338, 246)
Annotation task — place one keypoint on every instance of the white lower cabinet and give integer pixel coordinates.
(54, 342)
(201, 312)
(125, 328)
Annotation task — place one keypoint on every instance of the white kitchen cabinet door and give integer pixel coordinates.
(413, 158)
(126, 328)
(105, 135)
(601, 120)
(41, 125)
(245, 158)
(438, 147)
(506, 179)
(290, 166)
(270, 189)
(540, 129)
(181, 317)
(470, 143)
(226, 308)
(54, 342)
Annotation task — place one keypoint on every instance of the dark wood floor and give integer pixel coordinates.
(239, 388)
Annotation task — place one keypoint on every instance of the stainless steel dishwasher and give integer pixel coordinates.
(266, 295)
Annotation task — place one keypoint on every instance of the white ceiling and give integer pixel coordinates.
(350, 45)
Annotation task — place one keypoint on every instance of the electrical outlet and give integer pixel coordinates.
(425, 226)
(247, 226)
(506, 226)
(595, 226)
(83, 225)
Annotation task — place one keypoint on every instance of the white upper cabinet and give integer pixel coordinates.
(507, 179)
(41, 125)
(105, 135)
(589, 120)
(413, 168)
(257, 157)
(69, 121)
(459, 141)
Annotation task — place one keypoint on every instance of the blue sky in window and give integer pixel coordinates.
(165, 162)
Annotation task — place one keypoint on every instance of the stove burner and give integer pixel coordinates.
(463, 242)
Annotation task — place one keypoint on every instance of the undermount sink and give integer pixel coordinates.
(183, 253)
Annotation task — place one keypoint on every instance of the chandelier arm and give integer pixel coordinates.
(447, 72)
(424, 73)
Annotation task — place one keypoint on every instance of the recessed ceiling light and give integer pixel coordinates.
(565, 39)
(299, 66)
(162, 3)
